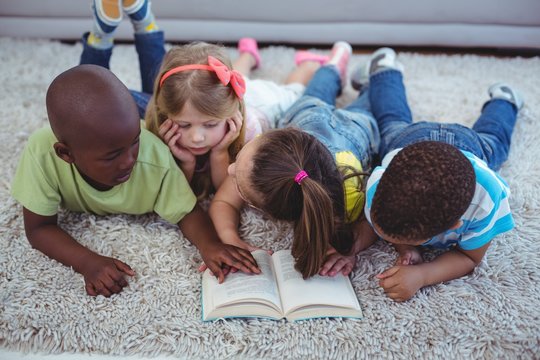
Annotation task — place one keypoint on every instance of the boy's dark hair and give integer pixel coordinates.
(424, 191)
(316, 206)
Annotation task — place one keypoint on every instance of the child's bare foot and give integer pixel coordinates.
(408, 255)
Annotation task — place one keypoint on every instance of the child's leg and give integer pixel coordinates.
(387, 96)
(151, 50)
(141, 15)
(325, 85)
(361, 103)
(107, 17)
(142, 100)
(92, 55)
(303, 73)
(496, 123)
(327, 82)
(249, 57)
(97, 44)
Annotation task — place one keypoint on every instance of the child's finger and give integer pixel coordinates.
(246, 260)
(163, 128)
(202, 267)
(123, 267)
(216, 270)
(172, 141)
(101, 289)
(90, 290)
(347, 269)
(387, 273)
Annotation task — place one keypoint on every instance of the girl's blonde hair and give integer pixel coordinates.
(203, 90)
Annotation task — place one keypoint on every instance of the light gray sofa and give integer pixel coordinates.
(455, 23)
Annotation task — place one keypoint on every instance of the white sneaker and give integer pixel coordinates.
(340, 56)
(382, 59)
(505, 92)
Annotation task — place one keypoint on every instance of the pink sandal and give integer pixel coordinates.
(302, 56)
(249, 45)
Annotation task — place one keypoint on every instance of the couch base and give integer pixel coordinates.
(391, 34)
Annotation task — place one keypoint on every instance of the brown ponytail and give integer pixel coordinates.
(316, 206)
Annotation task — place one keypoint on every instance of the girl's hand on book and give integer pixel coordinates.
(223, 257)
(336, 263)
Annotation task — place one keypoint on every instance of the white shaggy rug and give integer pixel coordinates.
(492, 313)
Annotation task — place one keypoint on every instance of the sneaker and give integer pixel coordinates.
(340, 56)
(107, 15)
(505, 92)
(380, 60)
(135, 9)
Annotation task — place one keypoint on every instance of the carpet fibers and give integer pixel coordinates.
(493, 312)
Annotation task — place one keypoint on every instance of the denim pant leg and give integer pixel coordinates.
(389, 106)
(361, 103)
(141, 99)
(494, 128)
(151, 50)
(91, 55)
(325, 85)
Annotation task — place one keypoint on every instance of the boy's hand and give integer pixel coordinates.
(400, 283)
(221, 258)
(105, 276)
(336, 263)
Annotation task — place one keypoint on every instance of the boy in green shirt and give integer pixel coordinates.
(95, 158)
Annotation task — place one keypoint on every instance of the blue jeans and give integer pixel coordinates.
(150, 49)
(351, 129)
(489, 138)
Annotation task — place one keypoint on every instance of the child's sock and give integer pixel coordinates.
(141, 16)
(107, 17)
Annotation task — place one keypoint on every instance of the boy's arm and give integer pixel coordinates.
(102, 275)
(225, 213)
(403, 281)
(219, 257)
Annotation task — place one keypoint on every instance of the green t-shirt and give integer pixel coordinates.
(43, 182)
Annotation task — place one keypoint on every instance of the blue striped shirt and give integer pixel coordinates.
(487, 216)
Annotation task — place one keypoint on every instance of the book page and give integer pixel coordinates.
(318, 290)
(240, 287)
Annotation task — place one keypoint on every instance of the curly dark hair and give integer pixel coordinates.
(424, 191)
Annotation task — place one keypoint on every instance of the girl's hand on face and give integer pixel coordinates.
(168, 132)
(234, 125)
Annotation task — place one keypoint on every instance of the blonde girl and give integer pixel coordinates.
(201, 107)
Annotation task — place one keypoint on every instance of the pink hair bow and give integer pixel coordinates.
(225, 75)
(228, 76)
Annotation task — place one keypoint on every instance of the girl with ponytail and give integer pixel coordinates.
(310, 172)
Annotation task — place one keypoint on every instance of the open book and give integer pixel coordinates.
(278, 292)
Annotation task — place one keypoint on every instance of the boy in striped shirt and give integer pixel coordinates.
(437, 184)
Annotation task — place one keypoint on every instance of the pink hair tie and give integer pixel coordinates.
(300, 176)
